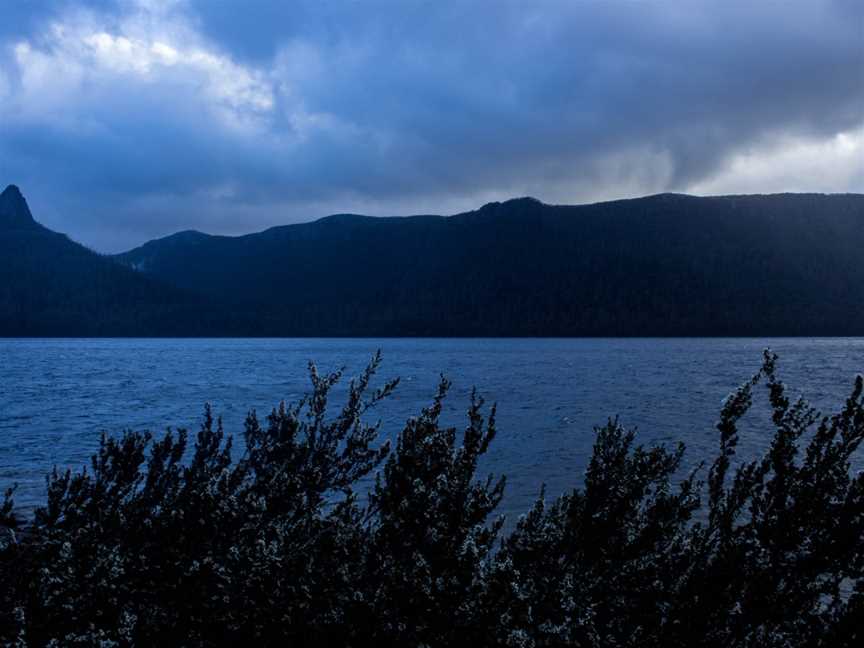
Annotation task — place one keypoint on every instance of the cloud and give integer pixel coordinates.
(830, 165)
(79, 72)
(128, 120)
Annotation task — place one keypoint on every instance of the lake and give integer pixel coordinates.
(58, 395)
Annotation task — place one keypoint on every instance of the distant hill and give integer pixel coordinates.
(52, 286)
(787, 264)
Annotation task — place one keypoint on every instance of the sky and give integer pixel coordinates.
(125, 120)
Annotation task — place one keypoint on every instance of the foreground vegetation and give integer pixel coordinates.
(157, 544)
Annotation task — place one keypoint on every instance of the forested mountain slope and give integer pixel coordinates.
(785, 264)
(52, 286)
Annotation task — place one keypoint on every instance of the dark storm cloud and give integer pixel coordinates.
(131, 119)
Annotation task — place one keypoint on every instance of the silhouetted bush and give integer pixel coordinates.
(160, 544)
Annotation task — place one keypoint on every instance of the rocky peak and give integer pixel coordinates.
(14, 212)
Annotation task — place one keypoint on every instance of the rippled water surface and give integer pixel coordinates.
(57, 396)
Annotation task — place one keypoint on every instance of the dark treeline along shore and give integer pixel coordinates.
(664, 265)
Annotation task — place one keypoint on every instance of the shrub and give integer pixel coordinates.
(159, 543)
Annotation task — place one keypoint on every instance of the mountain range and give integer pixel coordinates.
(53, 286)
(669, 264)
